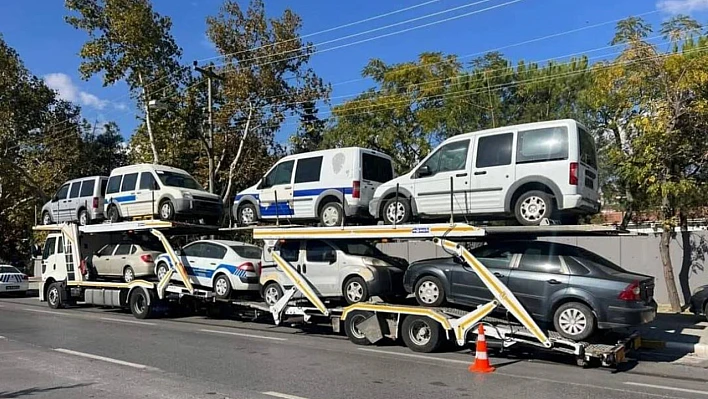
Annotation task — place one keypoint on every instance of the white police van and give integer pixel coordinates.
(313, 185)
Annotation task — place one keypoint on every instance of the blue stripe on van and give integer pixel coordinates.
(125, 198)
(305, 193)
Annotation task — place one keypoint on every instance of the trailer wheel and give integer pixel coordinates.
(54, 296)
(421, 334)
(140, 304)
(350, 327)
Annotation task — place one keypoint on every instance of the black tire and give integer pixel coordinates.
(84, 218)
(222, 286)
(162, 269)
(532, 207)
(140, 304)
(705, 310)
(128, 274)
(112, 214)
(422, 334)
(272, 292)
(331, 214)
(247, 211)
(574, 320)
(429, 291)
(55, 297)
(355, 290)
(166, 210)
(353, 320)
(46, 218)
(404, 214)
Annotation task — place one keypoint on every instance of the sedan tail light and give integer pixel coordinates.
(25, 277)
(147, 258)
(247, 267)
(633, 292)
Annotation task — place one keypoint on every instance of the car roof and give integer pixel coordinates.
(228, 243)
(507, 129)
(145, 167)
(86, 178)
(334, 150)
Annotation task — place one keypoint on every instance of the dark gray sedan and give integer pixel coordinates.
(699, 301)
(575, 290)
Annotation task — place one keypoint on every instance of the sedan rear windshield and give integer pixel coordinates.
(247, 251)
(181, 180)
(591, 259)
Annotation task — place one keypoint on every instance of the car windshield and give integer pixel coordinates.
(181, 180)
(8, 269)
(247, 251)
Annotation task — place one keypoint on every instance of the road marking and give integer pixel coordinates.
(282, 395)
(243, 335)
(639, 384)
(103, 358)
(145, 323)
(415, 356)
(2, 337)
(40, 311)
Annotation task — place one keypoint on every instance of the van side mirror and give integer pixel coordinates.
(55, 198)
(424, 171)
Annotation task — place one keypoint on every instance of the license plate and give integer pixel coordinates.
(12, 287)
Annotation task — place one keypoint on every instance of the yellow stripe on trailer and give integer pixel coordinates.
(302, 285)
(422, 231)
(108, 284)
(175, 259)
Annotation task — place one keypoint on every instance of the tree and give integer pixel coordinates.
(310, 133)
(127, 40)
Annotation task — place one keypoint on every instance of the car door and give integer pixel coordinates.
(493, 172)
(276, 191)
(193, 259)
(71, 203)
(59, 203)
(291, 252)
(128, 203)
(49, 261)
(538, 277)
(101, 260)
(306, 186)
(145, 201)
(467, 287)
(320, 268)
(444, 172)
(120, 259)
(212, 257)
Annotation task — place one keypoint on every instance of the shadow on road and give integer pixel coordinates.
(34, 391)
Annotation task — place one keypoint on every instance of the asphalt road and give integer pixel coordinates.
(92, 352)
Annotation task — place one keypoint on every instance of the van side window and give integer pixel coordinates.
(104, 183)
(546, 144)
(281, 174)
(113, 184)
(308, 170)
(320, 251)
(494, 150)
(290, 251)
(451, 156)
(75, 188)
(63, 191)
(147, 181)
(129, 181)
(49, 247)
(87, 188)
(378, 169)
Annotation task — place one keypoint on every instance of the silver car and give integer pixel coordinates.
(79, 200)
(126, 259)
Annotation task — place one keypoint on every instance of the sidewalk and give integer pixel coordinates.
(683, 333)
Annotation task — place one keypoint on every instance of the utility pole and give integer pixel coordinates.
(155, 158)
(210, 74)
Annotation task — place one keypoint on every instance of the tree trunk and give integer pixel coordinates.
(232, 167)
(664, 250)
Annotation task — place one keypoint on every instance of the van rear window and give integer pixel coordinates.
(545, 144)
(587, 149)
(87, 188)
(376, 168)
(104, 183)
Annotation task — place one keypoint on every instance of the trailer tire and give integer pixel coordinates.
(54, 296)
(140, 304)
(421, 334)
(350, 323)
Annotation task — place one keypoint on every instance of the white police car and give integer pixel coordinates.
(225, 266)
(13, 281)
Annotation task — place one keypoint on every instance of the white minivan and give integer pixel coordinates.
(148, 190)
(532, 171)
(311, 186)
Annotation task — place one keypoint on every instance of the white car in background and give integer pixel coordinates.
(224, 266)
(13, 281)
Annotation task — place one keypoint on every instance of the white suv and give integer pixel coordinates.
(533, 171)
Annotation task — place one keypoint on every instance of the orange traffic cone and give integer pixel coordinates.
(481, 360)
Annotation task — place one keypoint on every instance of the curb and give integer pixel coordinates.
(698, 349)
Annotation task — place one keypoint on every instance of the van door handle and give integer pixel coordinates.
(499, 275)
(553, 281)
(304, 269)
(213, 264)
(461, 175)
(123, 257)
(298, 268)
(483, 172)
(288, 188)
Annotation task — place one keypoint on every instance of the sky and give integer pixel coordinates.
(468, 28)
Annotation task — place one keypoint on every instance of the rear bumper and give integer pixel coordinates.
(386, 284)
(14, 287)
(618, 317)
(374, 207)
(576, 203)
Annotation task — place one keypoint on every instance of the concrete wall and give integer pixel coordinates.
(635, 253)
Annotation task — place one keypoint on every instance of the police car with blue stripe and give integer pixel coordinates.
(225, 266)
(13, 281)
(326, 185)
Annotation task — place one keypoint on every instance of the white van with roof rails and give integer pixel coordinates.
(313, 185)
(149, 190)
(77, 200)
(533, 171)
